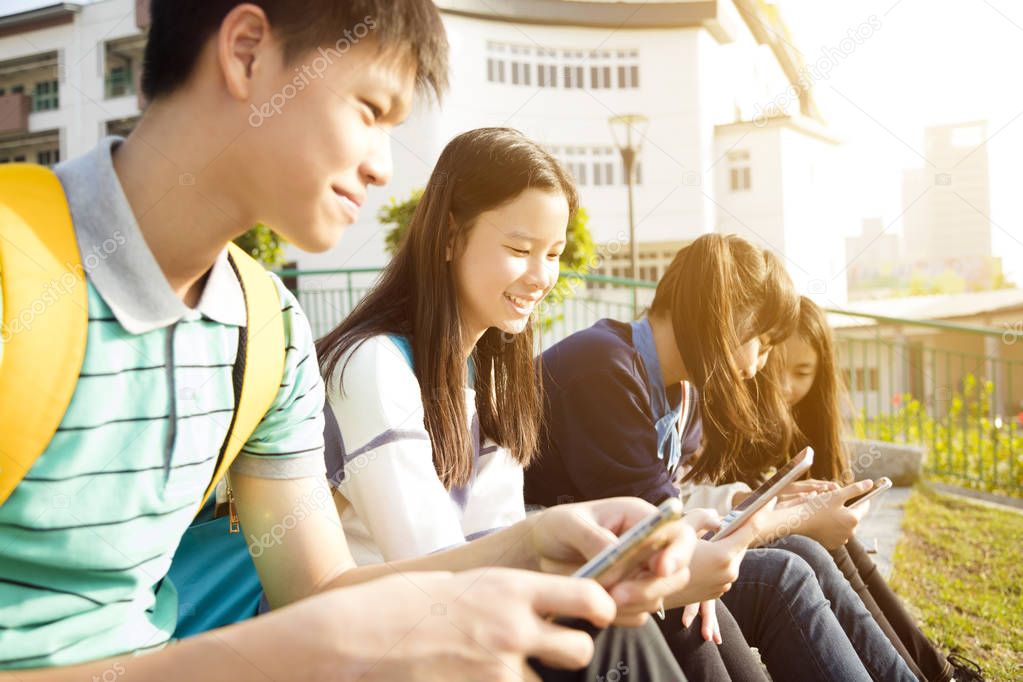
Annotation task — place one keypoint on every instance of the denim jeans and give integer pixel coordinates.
(919, 652)
(782, 611)
(875, 649)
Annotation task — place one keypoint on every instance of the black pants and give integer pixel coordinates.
(702, 660)
(923, 658)
(621, 655)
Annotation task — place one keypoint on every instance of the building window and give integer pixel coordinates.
(17, 89)
(628, 69)
(48, 157)
(739, 171)
(46, 96)
(495, 71)
(596, 166)
(521, 73)
(515, 64)
(121, 127)
(547, 76)
(573, 76)
(120, 82)
(19, 158)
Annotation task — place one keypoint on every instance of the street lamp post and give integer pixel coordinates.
(628, 131)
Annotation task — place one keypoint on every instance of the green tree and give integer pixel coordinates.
(263, 244)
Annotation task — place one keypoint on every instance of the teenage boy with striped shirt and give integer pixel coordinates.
(88, 534)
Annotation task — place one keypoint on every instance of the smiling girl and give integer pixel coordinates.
(445, 443)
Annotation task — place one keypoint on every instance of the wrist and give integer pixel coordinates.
(529, 558)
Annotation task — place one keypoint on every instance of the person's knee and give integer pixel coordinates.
(811, 551)
(788, 571)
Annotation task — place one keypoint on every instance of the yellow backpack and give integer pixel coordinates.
(43, 337)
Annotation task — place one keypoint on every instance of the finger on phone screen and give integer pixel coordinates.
(854, 489)
(702, 520)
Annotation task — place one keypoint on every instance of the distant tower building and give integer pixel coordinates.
(947, 206)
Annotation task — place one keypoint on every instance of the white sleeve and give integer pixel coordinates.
(717, 497)
(390, 479)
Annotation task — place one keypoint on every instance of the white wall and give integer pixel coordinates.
(795, 205)
(817, 218)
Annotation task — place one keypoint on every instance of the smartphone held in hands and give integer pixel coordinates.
(880, 485)
(634, 546)
(760, 497)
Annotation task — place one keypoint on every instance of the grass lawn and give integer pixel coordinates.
(960, 566)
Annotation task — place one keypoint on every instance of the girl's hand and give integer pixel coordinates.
(823, 517)
(709, 627)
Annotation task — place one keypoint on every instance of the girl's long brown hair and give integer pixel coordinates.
(818, 416)
(720, 292)
(416, 297)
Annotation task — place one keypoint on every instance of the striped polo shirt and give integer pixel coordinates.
(86, 539)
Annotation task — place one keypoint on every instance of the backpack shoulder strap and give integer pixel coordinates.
(259, 366)
(45, 316)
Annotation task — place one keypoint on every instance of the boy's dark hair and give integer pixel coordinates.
(180, 28)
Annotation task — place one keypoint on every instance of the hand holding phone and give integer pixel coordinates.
(880, 485)
(634, 547)
(760, 497)
(638, 570)
(715, 564)
(824, 517)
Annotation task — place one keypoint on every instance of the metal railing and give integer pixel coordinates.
(950, 388)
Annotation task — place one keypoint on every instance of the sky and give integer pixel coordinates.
(927, 62)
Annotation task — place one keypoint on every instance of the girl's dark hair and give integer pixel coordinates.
(720, 292)
(179, 29)
(416, 297)
(818, 416)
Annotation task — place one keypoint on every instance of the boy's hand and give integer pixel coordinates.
(564, 537)
(476, 625)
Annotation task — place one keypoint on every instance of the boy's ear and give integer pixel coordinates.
(243, 46)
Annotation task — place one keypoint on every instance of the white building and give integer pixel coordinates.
(947, 206)
(734, 141)
(68, 75)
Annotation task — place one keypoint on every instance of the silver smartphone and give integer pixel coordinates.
(634, 546)
(756, 501)
(880, 485)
